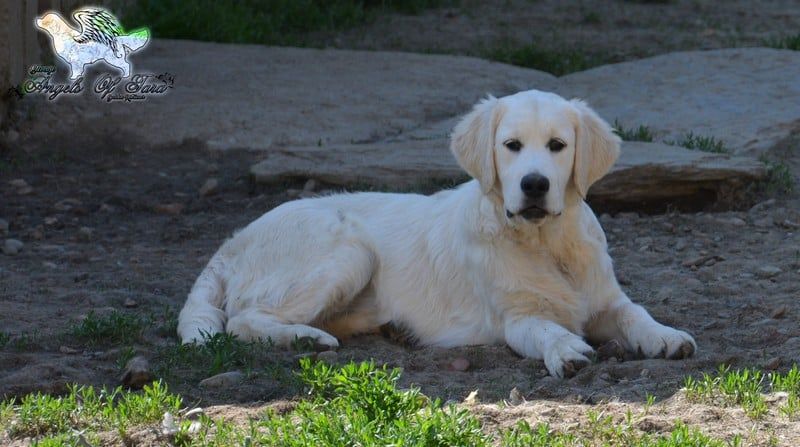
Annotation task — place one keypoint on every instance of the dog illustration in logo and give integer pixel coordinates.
(101, 38)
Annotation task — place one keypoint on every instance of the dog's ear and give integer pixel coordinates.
(596, 148)
(472, 142)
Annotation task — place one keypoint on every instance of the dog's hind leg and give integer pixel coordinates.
(329, 287)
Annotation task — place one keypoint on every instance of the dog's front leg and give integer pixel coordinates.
(634, 326)
(563, 352)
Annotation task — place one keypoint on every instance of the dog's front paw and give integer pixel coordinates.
(566, 355)
(659, 341)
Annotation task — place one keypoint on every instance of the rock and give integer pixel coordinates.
(394, 164)
(373, 94)
(67, 350)
(515, 397)
(209, 187)
(646, 174)
(223, 380)
(49, 264)
(650, 174)
(194, 413)
(772, 364)
(768, 271)
(310, 185)
(12, 247)
(328, 356)
(67, 204)
(3, 227)
(758, 207)
(460, 364)
(741, 96)
(18, 183)
(168, 426)
(130, 303)
(85, 234)
(170, 209)
(136, 373)
(779, 312)
(765, 222)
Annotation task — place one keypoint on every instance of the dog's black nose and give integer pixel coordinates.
(535, 185)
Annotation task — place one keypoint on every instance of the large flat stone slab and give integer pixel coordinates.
(747, 97)
(259, 97)
(647, 175)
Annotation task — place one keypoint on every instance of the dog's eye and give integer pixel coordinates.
(556, 145)
(513, 145)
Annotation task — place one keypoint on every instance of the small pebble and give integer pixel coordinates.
(779, 313)
(515, 397)
(136, 373)
(170, 209)
(459, 364)
(772, 364)
(209, 187)
(194, 413)
(310, 185)
(85, 234)
(12, 247)
(67, 350)
(768, 271)
(223, 380)
(328, 356)
(130, 303)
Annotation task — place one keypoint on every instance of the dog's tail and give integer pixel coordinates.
(135, 39)
(202, 315)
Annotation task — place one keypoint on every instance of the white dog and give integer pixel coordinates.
(514, 256)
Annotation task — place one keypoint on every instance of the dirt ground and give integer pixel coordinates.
(709, 274)
(613, 30)
(106, 220)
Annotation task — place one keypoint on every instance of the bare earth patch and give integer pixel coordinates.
(110, 227)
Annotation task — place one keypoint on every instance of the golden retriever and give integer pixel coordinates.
(514, 256)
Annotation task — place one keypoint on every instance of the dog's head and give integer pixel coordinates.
(51, 22)
(536, 150)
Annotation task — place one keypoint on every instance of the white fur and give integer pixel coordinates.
(452, 268)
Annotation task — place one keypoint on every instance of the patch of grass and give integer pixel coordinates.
(604, 431)
(269, 22)
(788, 383)
(220, 353)
(779, 177)
(54, 420)
(641, 133)
(555, 62)
(784, 42)
(354, 404)
(5, 338)
(114, 328)
(700, 143)
(746, 387)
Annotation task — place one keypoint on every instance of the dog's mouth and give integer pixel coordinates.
(531, 212)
